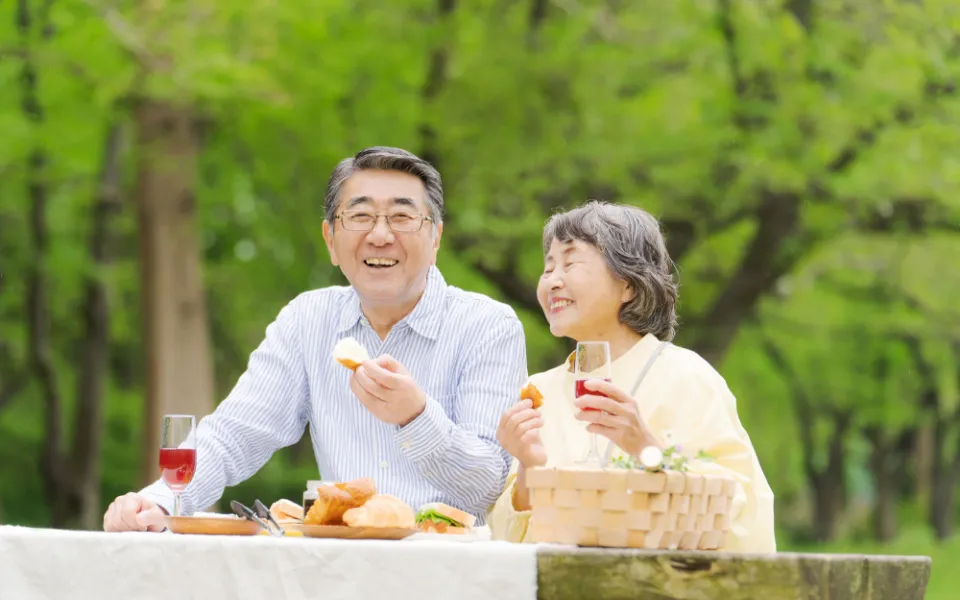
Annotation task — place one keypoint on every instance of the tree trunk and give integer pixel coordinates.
(883, 467)
(56, 478)
(943, 492)
(178, 354)
(828, 483)
(94, 349)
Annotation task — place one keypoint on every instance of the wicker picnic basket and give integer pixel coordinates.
(621, 508)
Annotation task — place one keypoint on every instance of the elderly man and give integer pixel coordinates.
(421, 417)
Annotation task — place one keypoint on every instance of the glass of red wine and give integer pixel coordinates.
(592, 362)
(178, 454)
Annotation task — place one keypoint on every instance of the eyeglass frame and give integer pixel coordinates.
(423, 219)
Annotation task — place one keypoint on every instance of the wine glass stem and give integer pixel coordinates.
(594, 449)
(176, 504)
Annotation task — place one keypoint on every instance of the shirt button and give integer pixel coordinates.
(383, 464)
(405, 445)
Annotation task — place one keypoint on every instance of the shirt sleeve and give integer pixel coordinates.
(459, 454)
(699, 390)
(265, 411)
(506, 522)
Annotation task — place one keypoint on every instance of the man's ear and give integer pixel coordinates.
(437, 234)
(328, 238)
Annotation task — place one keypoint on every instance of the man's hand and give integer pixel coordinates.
(133, 512)
(615, 417)
(388, 391)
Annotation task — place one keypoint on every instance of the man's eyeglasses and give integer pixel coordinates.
(400, 222)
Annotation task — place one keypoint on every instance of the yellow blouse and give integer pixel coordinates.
(685, 402)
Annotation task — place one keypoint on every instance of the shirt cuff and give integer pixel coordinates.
(159, 494)
(426, 434)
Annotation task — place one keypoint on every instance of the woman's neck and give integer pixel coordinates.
(621, 340)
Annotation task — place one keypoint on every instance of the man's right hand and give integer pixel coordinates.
(133, 512)
(519, 434)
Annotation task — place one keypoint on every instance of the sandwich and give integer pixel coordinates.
(286, 511)
(530, 392)
(349, 353)
(438, 517)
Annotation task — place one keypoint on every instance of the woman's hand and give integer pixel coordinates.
(519, 434)
(614, 416)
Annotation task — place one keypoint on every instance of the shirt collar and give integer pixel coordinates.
(424, 318)
(639, 352)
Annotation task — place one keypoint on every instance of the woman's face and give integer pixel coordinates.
(578, 294)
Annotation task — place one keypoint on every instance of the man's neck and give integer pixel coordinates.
(383, 317)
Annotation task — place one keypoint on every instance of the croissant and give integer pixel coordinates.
(381, 511)
(334, 500)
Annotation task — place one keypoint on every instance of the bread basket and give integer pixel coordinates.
(629, 508)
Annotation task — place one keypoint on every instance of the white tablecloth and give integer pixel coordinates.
(62, 565)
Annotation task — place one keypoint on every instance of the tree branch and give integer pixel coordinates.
(763, 263)
(434, 83)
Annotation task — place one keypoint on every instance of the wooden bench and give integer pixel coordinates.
(570, 573)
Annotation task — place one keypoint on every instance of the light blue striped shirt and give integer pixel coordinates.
(465, 350)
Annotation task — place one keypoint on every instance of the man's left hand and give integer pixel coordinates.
(615, 417)
(388, 391)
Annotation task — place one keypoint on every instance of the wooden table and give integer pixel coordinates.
(587, 574)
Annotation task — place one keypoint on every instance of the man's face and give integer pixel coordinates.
(385, 267)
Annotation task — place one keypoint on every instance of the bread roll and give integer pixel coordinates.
(349, 353)
(381, 511)
(286, 510)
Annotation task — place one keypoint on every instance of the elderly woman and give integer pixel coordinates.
(608, 277)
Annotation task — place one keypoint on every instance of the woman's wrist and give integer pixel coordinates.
(521, 494)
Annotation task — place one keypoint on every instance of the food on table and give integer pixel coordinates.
(442, 518)
(349, 353)
(286, 511)
(530, 392)
(381, 510)
(334, 500)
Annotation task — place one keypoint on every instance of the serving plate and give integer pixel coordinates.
(225, 525)
(352, 533)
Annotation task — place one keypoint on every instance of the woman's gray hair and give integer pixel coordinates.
(633, 248)
(387, 159)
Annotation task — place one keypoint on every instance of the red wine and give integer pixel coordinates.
(580, 389)
(177, 466)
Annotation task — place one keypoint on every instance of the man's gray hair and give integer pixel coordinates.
(633, 248)
(387, 159)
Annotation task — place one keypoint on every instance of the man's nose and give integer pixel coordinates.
(381, 233)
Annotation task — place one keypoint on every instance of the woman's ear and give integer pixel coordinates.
(628, 293)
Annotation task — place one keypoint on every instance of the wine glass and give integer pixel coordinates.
(592, 362)
(178, 454)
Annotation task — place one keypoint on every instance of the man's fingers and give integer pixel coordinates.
(382, 376)
(127, 508)
(368, 385)
(389, 363)
(108, 517)
(152, 519)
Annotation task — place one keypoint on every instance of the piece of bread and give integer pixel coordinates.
(381, 511)
(349, 353)
(286, 510)
(530, 392)
(450, 517)
(335, 500)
